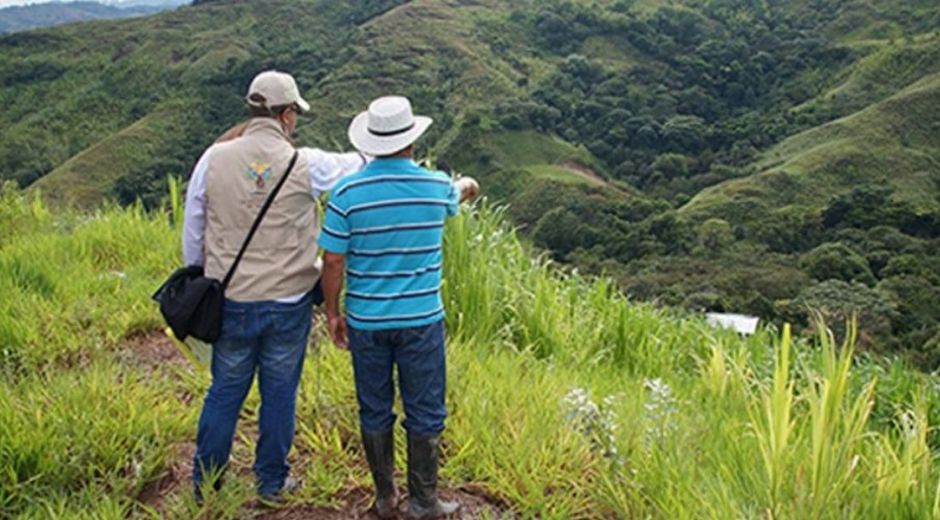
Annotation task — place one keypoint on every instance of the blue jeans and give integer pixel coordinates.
(269, 338)
(422, 377)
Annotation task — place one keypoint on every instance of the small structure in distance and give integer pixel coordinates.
(740, 323)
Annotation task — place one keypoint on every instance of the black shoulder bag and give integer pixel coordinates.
(190, 302)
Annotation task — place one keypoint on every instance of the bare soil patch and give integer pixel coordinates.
(357, 504)
(177, 474)
(153, 351)
(586, 172)
(583, 171)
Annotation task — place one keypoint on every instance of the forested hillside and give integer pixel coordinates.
(767, 157)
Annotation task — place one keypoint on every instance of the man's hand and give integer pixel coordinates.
(337, 325)
(334, 267)
(469, 188)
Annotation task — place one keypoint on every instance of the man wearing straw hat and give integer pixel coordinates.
(384, 231)
(268, 304)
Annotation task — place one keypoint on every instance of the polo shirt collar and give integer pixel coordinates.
(395, 164)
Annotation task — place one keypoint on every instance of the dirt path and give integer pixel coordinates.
(588, 174)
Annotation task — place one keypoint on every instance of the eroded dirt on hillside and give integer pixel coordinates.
(585, 172)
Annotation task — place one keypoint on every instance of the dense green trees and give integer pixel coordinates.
(836, 261)
(714, 89)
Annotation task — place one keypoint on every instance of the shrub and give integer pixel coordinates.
(715, 235)
(838, 303)
(836, 261)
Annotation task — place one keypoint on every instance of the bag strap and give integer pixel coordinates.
(257, 223)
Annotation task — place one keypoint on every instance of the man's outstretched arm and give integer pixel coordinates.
(327, 168)
(334, 268)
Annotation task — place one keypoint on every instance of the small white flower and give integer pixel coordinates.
(598, 423)
(660, 409)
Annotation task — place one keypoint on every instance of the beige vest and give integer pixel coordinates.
(281, 260)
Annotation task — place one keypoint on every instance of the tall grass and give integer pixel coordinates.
(673, 419)
(773, 423)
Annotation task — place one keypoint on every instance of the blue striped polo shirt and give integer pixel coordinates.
(388, 219)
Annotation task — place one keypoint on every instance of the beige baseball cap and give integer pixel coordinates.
(276, 89)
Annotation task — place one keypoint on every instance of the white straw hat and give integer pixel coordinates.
(387, 127)
(277, 89)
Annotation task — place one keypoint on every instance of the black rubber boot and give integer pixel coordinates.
(422, 479)
(380, 452)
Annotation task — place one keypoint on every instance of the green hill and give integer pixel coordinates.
(81, 181)
(627, 82)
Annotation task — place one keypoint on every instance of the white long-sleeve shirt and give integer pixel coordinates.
(325, 170)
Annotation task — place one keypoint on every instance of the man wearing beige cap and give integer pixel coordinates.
(267, 312)
(383, 231)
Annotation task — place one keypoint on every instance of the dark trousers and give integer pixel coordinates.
(422, 377)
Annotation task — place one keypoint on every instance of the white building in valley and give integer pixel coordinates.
(740, 323)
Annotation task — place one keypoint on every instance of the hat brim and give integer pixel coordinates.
(371, 144)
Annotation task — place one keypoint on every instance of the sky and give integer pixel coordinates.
(8, 3)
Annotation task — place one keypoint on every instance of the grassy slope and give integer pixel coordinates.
(474, 77)
(866, 21)
(106, 80)
(82, 180)
(880, 135)
(890, 141)
(539, 156)
(696, 426)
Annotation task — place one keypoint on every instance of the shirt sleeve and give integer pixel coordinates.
(453, 200)
(194, 214)
(335, 234)
(326, 169)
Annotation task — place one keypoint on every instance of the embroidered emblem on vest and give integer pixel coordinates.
(260, 173)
